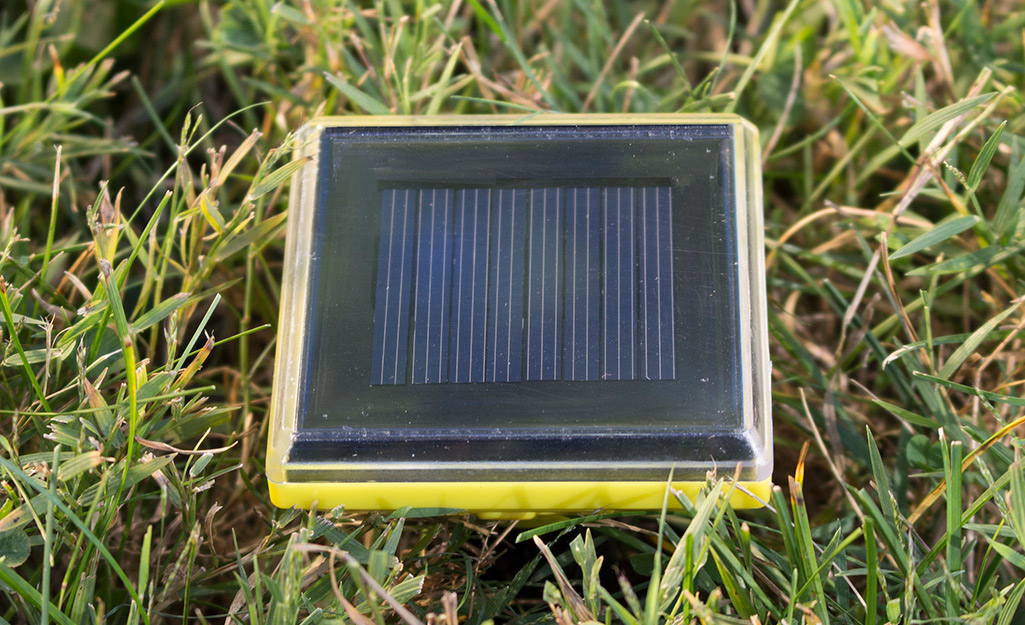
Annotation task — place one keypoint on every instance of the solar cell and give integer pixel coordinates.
(470, 285)
(432, 292)
(514, 284)
(544, 278)
(655, 325)
(582, 290)
(394, 275)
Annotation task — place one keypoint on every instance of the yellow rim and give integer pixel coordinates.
(500, 497)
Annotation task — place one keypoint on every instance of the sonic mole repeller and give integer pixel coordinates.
(512, 314)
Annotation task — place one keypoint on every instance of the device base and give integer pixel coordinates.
(513, 500)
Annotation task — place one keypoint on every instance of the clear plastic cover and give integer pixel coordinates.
(563, 298)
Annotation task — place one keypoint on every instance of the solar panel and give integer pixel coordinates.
(583, 275)
(498, 301)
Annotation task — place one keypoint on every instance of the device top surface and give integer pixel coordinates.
(504, 290)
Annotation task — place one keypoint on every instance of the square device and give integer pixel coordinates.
(515, 314)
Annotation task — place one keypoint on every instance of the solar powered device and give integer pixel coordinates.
(510, 314)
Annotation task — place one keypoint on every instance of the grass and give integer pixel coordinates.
(144, 160)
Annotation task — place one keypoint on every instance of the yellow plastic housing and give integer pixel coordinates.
(299, 481)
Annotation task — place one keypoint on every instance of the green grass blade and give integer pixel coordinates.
(48, 538)
(12, 332)
(360, 98)
(1013, 605)
(27, 591)
(934, 120)
(872, 572)
(158, 313)
(952, 469)
(1017, 504)
(882, 479)
(970, 390)
(971, 345)
(1008, 208)
(938, 234)
(981, 163)
(125, 34)
(807, 561)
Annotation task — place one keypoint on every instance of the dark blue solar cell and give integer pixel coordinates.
(619, 321)
(504, 341)
(544, 291)
(394, 278)
(433, 287)
(655, 242)
(504, 285)
(581, 346)
(470, 285)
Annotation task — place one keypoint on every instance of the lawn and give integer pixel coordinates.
(144, 169)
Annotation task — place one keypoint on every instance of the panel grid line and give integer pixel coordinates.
(498, 272)
(658, 273)
(402, 273)
(508, 348)
(644, 282)
(587, 296)
(573, 330)
(462, 265)
(530, 291)
(387, 291)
